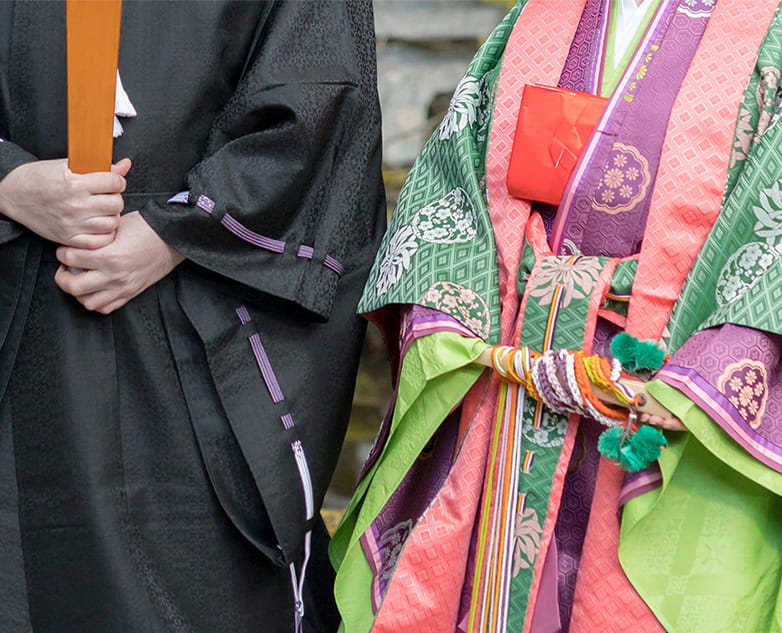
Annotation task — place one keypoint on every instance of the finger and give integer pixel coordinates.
(72, 257)
(103, 301)
(100, 224)
(102, 182)
(89, 241)
(105, 203)
(113, 305)
(669, 424)
(84, 283)
(122, 167)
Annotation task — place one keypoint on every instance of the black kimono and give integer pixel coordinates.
(161, 468)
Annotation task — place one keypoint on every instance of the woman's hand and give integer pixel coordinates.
(112, 275)
(669, 424)
(79, 210)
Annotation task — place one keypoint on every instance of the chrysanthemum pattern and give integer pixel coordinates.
(550, 433)
(464, 304)
(397, 259)
(742, 271)
(463, 109)
(449, 220)
(625, 180)
(577, 275)
(745, 385)
(769, 215)
(748, 263)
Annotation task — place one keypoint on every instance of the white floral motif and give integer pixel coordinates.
(743, 269)
(463, 109)
(769, 215)
(449, 220)
(397, 259)
(750, 261)
(551, 433)
(577, 278)
(464, 304)
(527, 532)
(750, 255)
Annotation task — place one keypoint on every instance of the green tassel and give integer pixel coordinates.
(608, 443)
(629, 460)
(623, 349)
(637, 355)
(648, 442)
(649, 356)
(637, 451)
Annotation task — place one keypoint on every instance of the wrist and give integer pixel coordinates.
(12, 157)
(7, 206)
(175, 257)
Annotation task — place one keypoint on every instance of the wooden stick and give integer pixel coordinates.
(650, 406)
(93, 28)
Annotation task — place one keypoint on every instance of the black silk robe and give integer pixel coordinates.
(161, 467)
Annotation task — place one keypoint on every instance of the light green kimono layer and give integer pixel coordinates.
(437, 371)
(715, 498)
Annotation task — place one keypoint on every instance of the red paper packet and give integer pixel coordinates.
(552, 128)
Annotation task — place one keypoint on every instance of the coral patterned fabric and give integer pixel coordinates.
(686, 201)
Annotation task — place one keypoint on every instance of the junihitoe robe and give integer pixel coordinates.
(481, 510)
(161, 468)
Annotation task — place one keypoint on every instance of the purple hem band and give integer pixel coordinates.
(251, 237)
(333, 264)
(267, 373)
(266, 369)
(422, 321)
(370, 543)
(639, 483)
(256, 239)
(306, 252)
(287, 421)
(719, 408)
(243, 314)
(207, 204)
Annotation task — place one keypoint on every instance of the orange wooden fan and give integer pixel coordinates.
(93, 49)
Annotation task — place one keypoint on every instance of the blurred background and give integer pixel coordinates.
(423, 48)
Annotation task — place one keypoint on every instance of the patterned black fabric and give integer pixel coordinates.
(155, 489)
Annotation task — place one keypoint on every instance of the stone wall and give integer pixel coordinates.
(423, 48)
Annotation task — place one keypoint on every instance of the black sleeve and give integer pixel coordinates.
(11, 156)
(288, 196)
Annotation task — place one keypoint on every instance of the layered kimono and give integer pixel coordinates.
(161, 468)
(481, 510)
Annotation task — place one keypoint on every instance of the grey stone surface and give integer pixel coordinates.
(435, 20)
(409, 81)
(424, 47)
